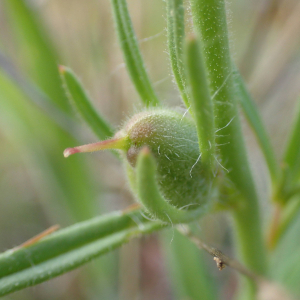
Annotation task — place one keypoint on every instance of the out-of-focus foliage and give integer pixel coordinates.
(39, 188)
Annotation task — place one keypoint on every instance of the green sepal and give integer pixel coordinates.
(151, 198)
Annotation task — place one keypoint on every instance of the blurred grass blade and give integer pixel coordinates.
(151, 198)
(34, 45)
(190, 279)
(175, 32)
(201, 104)
(132, 55)
(68, 249)
(292, 153)
(288, 215)
(79, 98)
(285, 260)
(256, 123)
(38, 139)
(38, 97)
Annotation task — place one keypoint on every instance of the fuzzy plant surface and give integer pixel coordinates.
(180, 166)
(172, 141)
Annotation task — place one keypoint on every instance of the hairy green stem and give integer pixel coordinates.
(210, 19)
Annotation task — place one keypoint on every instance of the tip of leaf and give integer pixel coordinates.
(61, 69)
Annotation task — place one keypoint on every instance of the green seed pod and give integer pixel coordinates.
(172, 141)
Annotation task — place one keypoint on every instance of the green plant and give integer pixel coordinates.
(179, 167)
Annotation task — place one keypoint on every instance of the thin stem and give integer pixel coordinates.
(266, 289)
(132, 55)
(222, 258)
(175, 31)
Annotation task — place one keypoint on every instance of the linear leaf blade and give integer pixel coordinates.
(175, 32)
(68, 249)
(80, 99)
(132, 55)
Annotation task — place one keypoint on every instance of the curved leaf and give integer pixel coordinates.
(82, 103)
(151, 197)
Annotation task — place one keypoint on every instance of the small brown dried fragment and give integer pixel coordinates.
(220, 263)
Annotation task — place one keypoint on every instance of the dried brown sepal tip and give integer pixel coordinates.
(145, 150)
(220, 263)
(61, 69)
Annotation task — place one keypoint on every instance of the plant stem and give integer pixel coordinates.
(210, 20)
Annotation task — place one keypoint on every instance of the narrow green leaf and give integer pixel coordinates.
(69, 248)
(289, 213)
(292, 153)
(151, 198)
(34, 44)
(132, 55)
(201, 103)
(175, 32)
(285, 260)
(79, 98)
(256, 123)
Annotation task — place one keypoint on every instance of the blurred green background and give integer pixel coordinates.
(39, 188)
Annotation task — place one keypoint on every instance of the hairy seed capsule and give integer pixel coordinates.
(173, 142)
